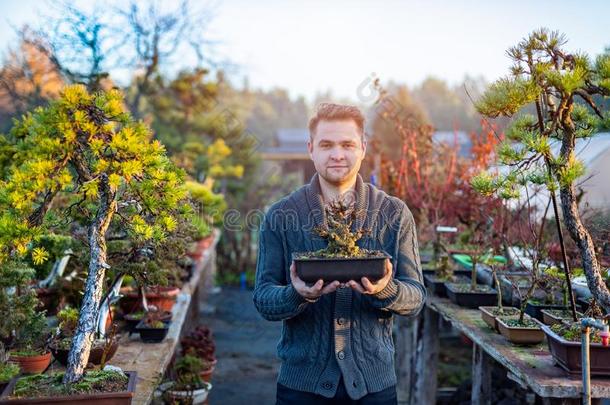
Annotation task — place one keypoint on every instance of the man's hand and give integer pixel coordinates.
(313, 292)
(367, 287)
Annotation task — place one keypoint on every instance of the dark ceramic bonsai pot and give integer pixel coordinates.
(535, 310)
(471, 299)
(568, 355)
(95, 356)
(437, 287)
(551, 317)
(152, 335)
(312, 269)
(99, 398)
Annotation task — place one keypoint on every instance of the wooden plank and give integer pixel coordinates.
(427, 359)
(481, 376)
(532, 366)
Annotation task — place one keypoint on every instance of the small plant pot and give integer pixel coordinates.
(99, 398)
(520, 335)
(490, 318)
(195, 397)
(312, 269)
(152, 335)
(437, 287)
(161, 297)
(551, 317)
(95, 355)
(535, 310)
(32, 364)
(568, 354)
(132, 321)
(470, 299)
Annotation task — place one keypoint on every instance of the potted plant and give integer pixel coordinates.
(552, 282)
(109, 386)
(472, 294)
(199, 342)
(443, 273)
(102, 349)
(8, 370)
(84, 158)
(22, 325)
(490, 314)
(565, 89)
(342, 259)
(188, 386)
(152, 328)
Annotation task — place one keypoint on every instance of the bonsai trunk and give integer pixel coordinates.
(473, 275)
(497, 283)
(85, 330)
(583, 240)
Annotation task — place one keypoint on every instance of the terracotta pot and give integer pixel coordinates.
(487, 314)
(100, 398)
(95, 356)
(32, 364)
(161, 297)
(520, 335)
(206, 375)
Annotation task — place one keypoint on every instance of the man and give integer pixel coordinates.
(336, 344)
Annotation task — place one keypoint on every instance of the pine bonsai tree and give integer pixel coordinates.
(87, 149)
(562, 87)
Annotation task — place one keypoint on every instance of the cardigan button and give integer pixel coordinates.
(327, 385)
(341, 355)
(341, 321)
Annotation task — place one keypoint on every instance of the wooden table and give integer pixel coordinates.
(530, 366)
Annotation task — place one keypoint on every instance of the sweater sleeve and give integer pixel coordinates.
(405, 293)
(274, 297)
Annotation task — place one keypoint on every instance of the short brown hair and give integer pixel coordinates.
(336, 112)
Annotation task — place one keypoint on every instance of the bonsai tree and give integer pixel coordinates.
(341, 240)
(562, 87)
(86, 148)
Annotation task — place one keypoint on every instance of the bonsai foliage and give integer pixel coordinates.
(20, 321)
(85, 148)
(341, 240)
(188, 373)
(540, 149)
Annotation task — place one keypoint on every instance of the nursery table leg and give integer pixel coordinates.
(481, 376)
(427, 360)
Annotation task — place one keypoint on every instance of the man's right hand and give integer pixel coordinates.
(313, 292)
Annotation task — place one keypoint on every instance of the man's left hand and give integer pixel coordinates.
(367, 287)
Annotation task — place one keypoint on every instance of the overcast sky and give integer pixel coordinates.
(311, 46)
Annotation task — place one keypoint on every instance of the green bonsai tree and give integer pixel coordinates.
(86, 149)
(540, 148)
(341, 240)
(21, 323)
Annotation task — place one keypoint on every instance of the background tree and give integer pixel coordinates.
(541, 148)
(87, 148)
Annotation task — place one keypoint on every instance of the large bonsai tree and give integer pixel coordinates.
(84, 148)
(540, 149)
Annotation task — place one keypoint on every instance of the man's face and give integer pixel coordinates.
(337, 150)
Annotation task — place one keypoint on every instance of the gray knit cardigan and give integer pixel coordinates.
(345, 332)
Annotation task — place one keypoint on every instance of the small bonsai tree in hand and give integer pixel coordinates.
(341, 247)
(338, 233)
